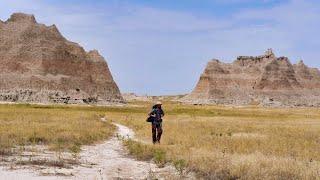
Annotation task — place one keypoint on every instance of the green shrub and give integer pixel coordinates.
(180, 165)
(159, 157)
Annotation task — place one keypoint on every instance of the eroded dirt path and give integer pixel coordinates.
(108, 160)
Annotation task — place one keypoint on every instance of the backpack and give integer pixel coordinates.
(150, 119)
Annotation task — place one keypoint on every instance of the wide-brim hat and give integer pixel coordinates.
(159, 103)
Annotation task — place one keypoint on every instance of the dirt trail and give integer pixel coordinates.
(108, 160)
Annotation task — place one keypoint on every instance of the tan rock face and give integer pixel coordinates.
(39, 65)
(266, 80)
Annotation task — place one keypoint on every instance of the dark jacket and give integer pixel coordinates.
(157, 114)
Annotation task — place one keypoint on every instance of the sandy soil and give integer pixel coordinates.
(108, 160)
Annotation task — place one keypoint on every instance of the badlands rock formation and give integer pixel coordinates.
(39, 65)
(265, 80)
(134, 97)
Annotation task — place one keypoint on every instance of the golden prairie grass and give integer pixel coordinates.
(60, 127)
(216, 142)
(231, 143)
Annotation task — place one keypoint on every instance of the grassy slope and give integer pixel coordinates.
(60, 127)
(226, 142)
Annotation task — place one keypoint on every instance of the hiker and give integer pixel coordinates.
(155, 117)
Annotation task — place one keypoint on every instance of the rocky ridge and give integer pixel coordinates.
(39, 65)
(265, 80)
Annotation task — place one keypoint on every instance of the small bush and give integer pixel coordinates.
(146, 152)
(75, 148)
(180, 165)
(37, 140)
(159, 157)
(140, 151)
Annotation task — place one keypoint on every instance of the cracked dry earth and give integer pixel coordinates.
(108, 160)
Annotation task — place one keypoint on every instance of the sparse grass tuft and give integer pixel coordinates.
(60, 163)
(146, 152)
(180, 165)
(140, 151)
(159, 157)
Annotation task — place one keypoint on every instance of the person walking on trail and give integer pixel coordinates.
(155, 117)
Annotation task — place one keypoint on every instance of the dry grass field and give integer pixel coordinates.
(62, 128)
(215, 142)
(230, 143)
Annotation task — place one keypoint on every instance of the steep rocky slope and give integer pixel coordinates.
(39, 65)
(264, 80)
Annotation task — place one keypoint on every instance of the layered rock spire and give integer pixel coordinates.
(39, 65)
(264, 80)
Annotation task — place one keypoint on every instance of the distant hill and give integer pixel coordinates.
(265, 80)
(37, 64)
(152, 99)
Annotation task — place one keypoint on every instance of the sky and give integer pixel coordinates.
(161, 47)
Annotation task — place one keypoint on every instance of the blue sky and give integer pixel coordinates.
(159, 47)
